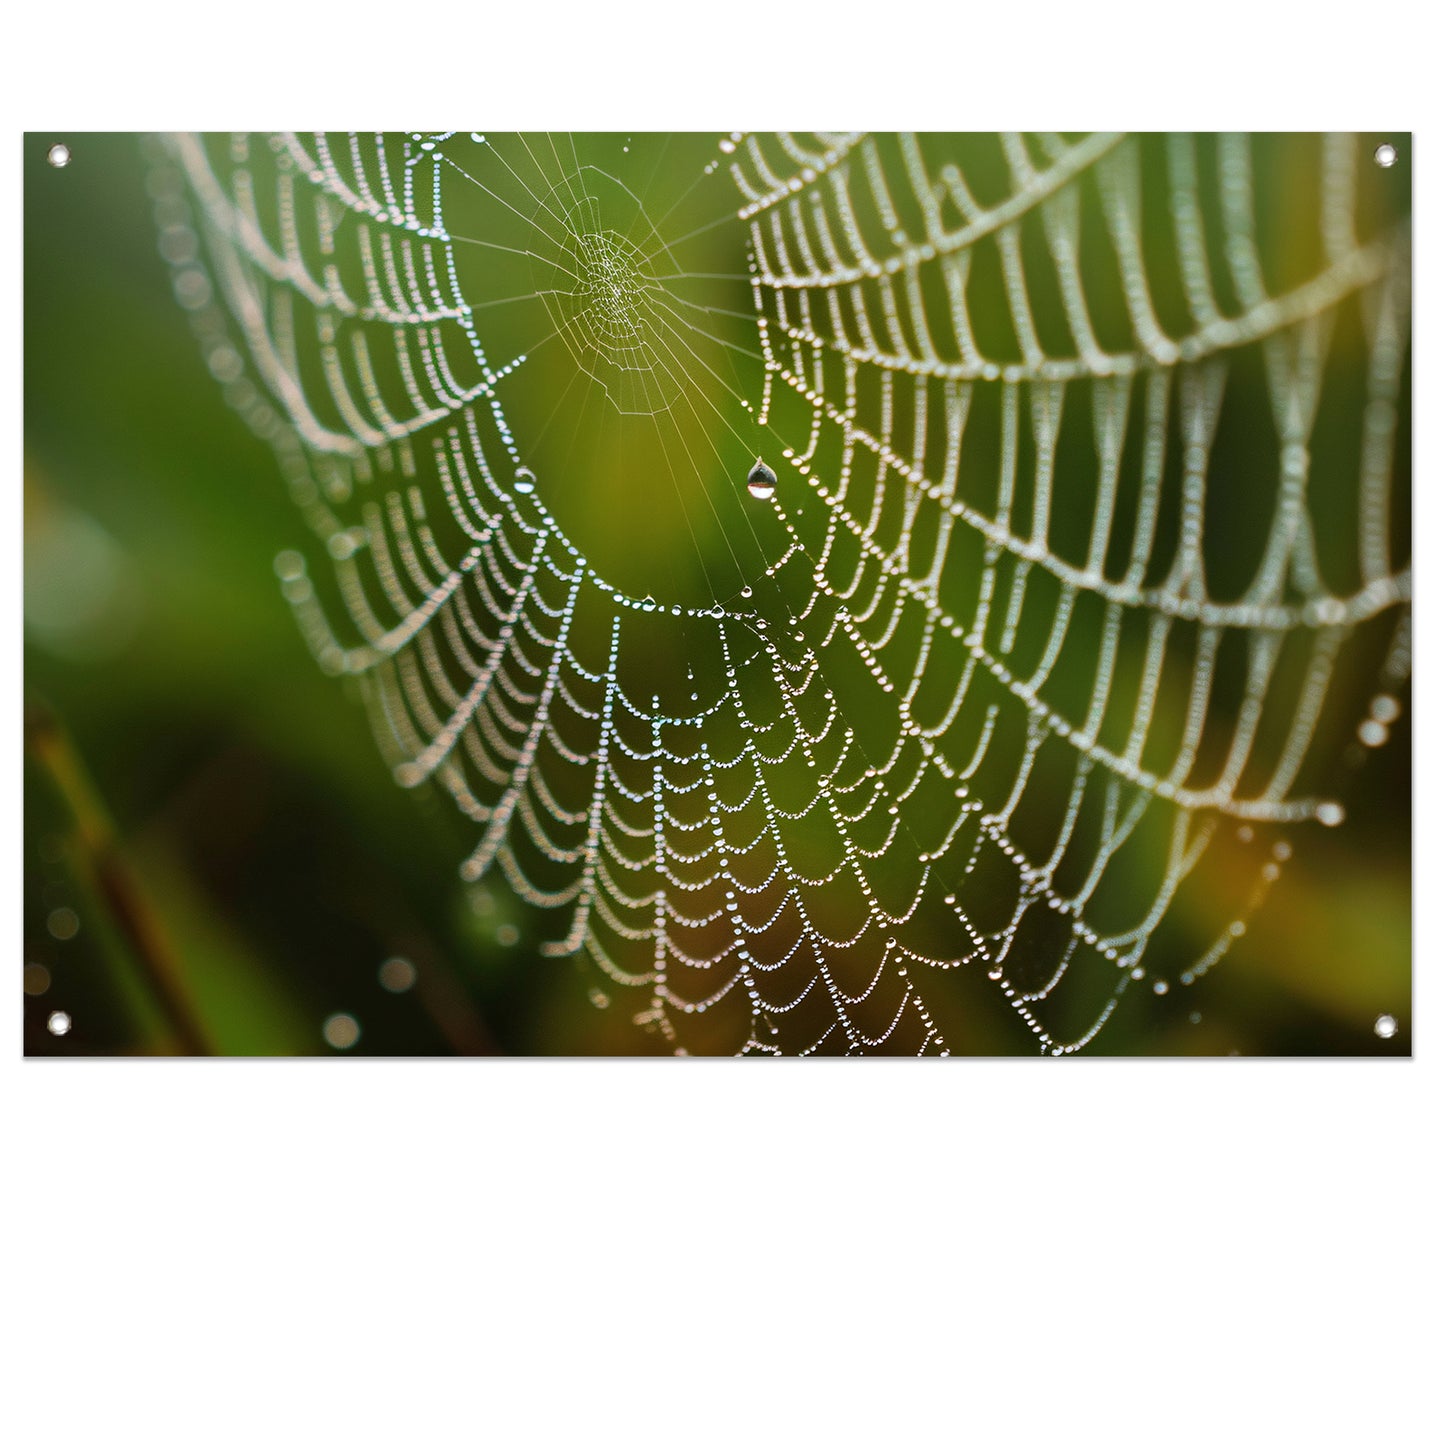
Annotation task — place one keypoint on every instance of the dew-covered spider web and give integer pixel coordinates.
(858, 588)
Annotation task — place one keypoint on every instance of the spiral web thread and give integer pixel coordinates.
(895, 776)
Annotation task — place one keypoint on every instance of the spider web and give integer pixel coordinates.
(1086, 561)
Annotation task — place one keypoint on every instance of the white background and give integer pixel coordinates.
(1002, 1251)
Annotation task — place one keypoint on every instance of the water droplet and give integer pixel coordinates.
(58, 1023)
(290, 566)
(762, 481)
(1385, 709)
(1386, 156)
(1330, 814)
(58, 156)
(1386, 1026)
(525, 480)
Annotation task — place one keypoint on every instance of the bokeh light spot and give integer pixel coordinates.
(397, 975)
(341, 1031)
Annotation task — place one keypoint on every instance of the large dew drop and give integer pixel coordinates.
(525, 480)
(762, 481)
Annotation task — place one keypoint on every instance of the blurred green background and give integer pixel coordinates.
(215, 855)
